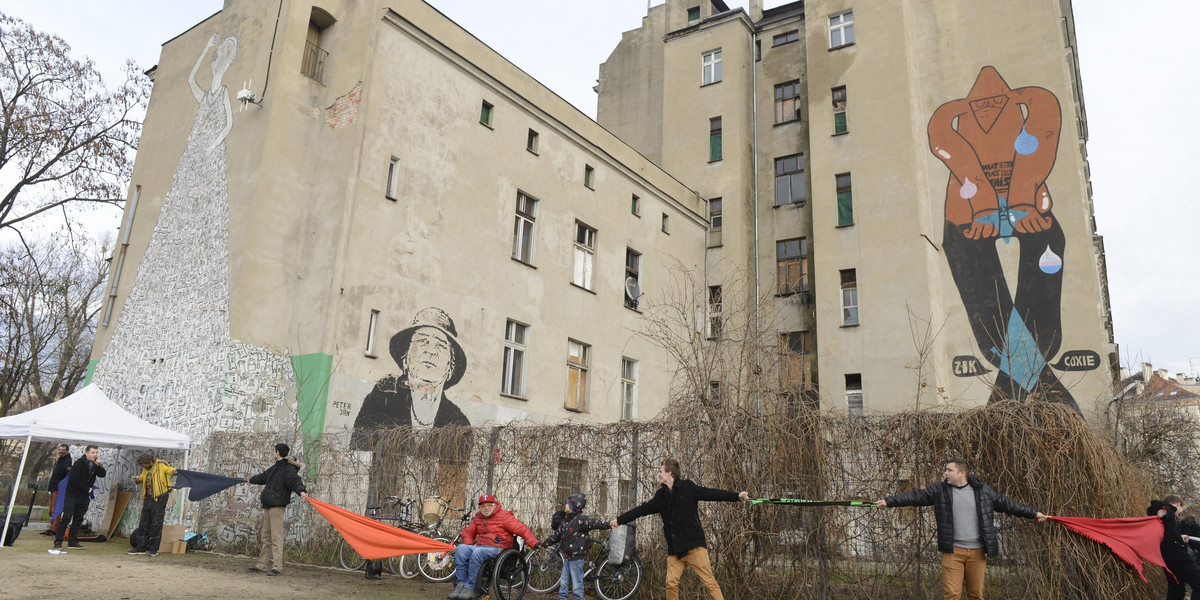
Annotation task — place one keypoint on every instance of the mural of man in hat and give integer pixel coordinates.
(431, 361)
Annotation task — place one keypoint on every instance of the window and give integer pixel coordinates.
(531, 141)
(629, 389)
(712, 67)
(312, 64)
(393, 175)
(625, 490)
(693, 14)
(523, 228)
(714, 213)
(633, 278)
(714, 392)
(515, 345)
(795, 362)
(714, 139)
(841, 30)
(786, 37)
(589, 173)
(666, 223)
(787, 102)
(577, 371)
(635, 206)
(839, 110)
(585, 252)
(845, 200)
(485, 114)
(570, 478)
(849, 297)
(757, 50)
(789, 180)
(791, 263)
(372, 327)
(714, 312)
(854, 395)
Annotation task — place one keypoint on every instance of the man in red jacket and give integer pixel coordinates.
(490, 531)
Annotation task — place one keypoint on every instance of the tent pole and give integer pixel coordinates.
(16, 486)
(179, 495)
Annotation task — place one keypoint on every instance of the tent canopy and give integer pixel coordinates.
(89, 417)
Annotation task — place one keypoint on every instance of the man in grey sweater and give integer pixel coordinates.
(964, 508)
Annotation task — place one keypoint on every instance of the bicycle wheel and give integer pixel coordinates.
(619, 582)
(436, 566)
(404, 566)
(509, 576)
(350, 559)
(545, 568)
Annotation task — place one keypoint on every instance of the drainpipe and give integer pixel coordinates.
(754, 180)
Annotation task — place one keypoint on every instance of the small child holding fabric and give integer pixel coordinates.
(571, 532)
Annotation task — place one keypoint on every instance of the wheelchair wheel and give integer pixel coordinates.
(404, 566)
(350, 559)
(436, 566)
(509, 576)
(544, 570)
(619, 582)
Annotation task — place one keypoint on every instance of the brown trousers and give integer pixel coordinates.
(270, 538)
(697, 559)
(964, 565)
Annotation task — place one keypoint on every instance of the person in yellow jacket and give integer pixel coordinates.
(155, 479)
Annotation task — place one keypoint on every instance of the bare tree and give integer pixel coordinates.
(65, 136)
(50, 292)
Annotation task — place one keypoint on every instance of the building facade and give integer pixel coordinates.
(908, 180)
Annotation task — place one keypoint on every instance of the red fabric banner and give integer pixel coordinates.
(1133, 539)
(375, 539)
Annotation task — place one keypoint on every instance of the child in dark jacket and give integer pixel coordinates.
(571, 532)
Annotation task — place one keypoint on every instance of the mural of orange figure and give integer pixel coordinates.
(1000, 145)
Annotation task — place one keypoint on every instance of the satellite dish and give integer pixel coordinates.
(633, 289)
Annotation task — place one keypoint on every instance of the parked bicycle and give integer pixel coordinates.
(612, 582)
(439, 566)
(401, 516)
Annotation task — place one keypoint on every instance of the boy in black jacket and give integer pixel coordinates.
(677, 500)
(278, 483)
(572, 532)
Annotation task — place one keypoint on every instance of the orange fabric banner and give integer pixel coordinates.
(375, 539)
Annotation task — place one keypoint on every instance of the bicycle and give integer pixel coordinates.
(402, 566)
(613, 582)
(439, 566)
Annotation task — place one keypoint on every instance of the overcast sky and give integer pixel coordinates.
(1141, 89)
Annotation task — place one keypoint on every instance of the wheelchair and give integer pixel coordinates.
(504, 577)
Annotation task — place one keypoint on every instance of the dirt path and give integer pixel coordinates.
(27, 571)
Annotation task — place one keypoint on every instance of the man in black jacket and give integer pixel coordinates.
(966, 531)
(75, 502)
(62, 468)
(677, 502)
(278, 483)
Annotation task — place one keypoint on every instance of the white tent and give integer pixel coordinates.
(85, 417)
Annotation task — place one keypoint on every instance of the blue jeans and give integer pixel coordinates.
(572, 577)
(468, 559)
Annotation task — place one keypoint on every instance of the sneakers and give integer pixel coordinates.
(462, 592)
(153, 554)
(273, 572)
(75, 546)
(57, 551)
(254, 570)
(456, 593)
(135, 551)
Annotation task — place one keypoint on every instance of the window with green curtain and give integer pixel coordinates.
(839, 122)
(714, 139)
(845, 203)
(693, 14)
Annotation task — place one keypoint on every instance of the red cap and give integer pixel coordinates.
(486, 498)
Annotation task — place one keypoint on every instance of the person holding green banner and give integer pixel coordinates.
(966, 533)
(677, 502)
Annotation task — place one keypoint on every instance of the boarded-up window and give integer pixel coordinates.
(571, 472)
